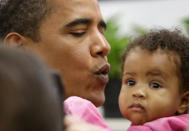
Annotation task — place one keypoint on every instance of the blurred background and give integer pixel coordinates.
(125, 20)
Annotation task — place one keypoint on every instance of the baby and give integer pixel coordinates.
(155, 85)
(155, 82)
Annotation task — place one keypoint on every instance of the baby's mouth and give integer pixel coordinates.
(136, 107)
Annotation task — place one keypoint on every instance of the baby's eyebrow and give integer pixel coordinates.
(129, 73)
(156, 73)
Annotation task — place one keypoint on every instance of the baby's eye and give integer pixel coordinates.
(131, 82)
(155, 85)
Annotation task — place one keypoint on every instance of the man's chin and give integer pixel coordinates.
(98, 100)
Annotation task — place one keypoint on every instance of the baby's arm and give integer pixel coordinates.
(76, 124)
(85, 110)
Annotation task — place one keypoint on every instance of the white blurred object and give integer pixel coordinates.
(146, 13)
(118, 124)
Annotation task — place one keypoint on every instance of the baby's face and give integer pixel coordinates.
(150, 86)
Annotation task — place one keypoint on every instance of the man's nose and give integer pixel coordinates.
(100, 46)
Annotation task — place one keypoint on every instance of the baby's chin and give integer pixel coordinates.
(137, 120)
(136, 123)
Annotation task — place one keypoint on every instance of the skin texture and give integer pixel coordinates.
(150, 85)
(72, 42)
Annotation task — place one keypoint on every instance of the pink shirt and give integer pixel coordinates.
(173, 123)
(85, 110)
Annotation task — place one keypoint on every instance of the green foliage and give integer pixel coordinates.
(139, 30)
(118, 44)
(186, 24)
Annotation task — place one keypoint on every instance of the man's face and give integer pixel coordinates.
(150, 86)
(72, 42)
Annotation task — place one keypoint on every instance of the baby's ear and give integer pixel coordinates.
(184, 105)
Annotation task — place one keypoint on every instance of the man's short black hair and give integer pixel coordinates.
(169, 41)
(23, 17)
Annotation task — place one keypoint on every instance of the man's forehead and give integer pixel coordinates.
(72, 4)
(71, 10)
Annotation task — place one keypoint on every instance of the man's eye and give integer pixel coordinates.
(77, 34)
(131, 82)
(155, 85)
(102, 31)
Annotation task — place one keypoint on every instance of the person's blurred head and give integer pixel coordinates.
(28, 94)
(68, 35)
(155, 81)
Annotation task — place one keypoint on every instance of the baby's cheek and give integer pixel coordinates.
(123, 104)
(156, 111)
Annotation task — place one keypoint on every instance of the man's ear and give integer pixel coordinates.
(14, 39)
(184, 105)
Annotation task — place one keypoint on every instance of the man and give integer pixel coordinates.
(68, 35)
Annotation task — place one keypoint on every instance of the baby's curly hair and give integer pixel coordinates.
(169, 41)
(23, 17)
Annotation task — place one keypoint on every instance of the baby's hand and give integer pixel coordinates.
(73, 123)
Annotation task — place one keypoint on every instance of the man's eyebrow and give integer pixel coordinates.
(102, 24)
(78, 22)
